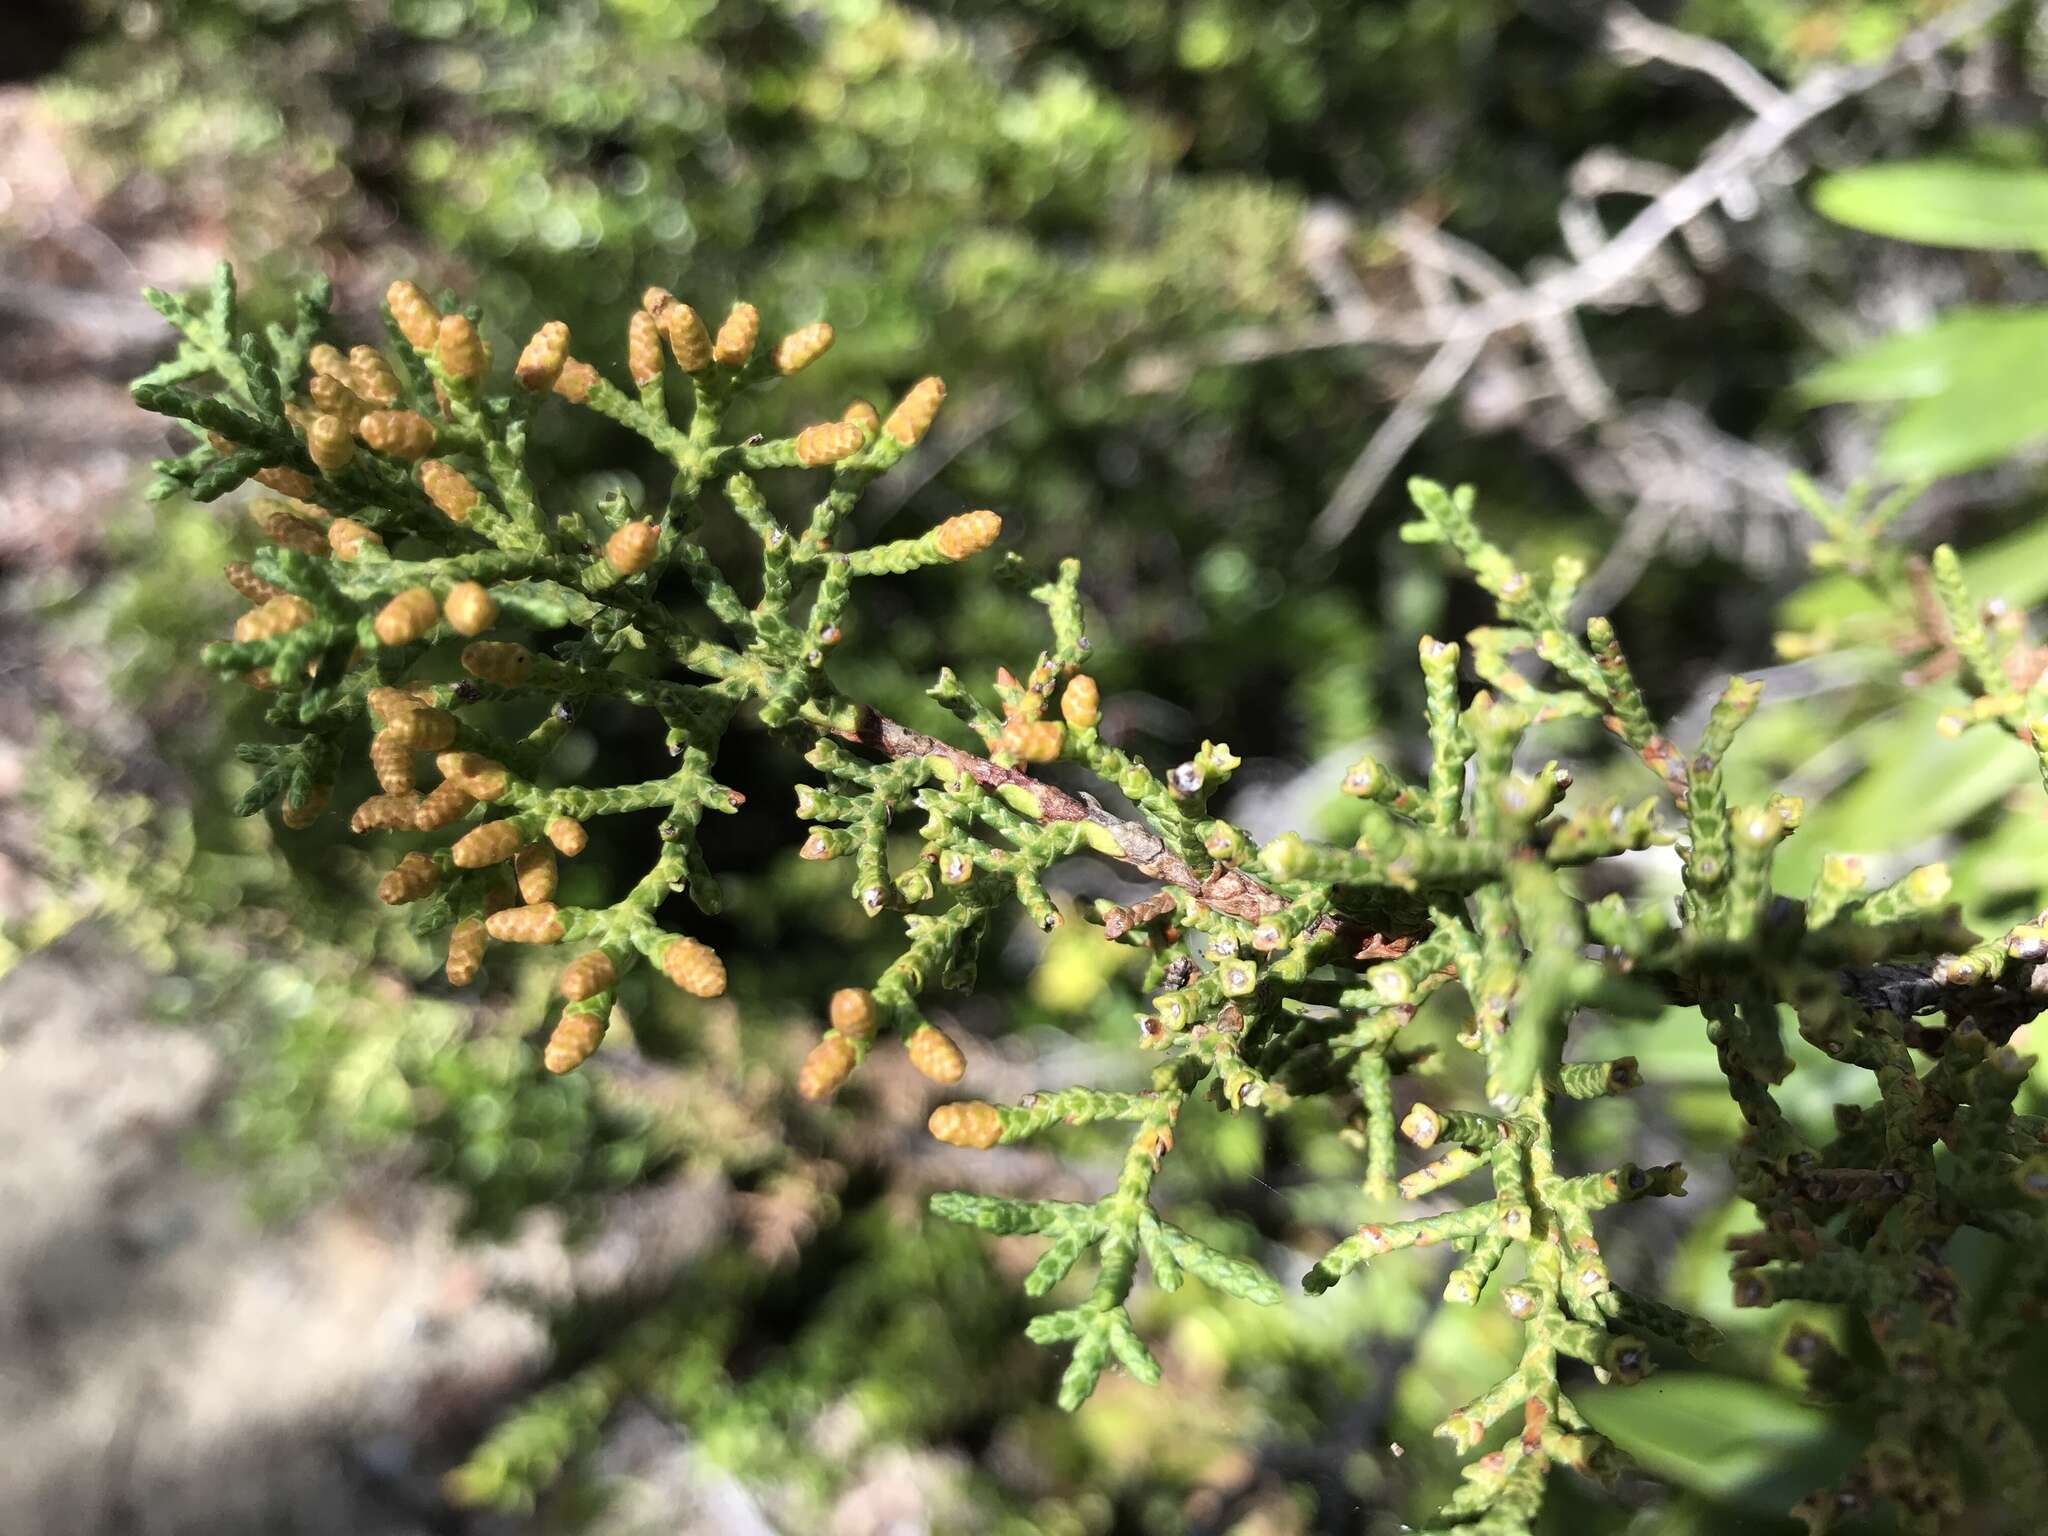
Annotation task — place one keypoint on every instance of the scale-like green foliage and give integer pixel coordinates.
(1279, 971)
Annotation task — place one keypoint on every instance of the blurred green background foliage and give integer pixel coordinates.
(1065, 207)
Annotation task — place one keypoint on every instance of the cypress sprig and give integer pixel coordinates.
(421, 543)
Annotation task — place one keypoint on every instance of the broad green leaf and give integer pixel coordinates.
(1923, 364)
(1833, 597)
(2014, 568)
(1970, 427)
(1737, 1441)
(1692, 1515)
(1920, 784)
(1998, 876)
(1942, 202)
(1967, 385)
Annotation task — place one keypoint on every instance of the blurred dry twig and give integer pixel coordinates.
(1466, 300)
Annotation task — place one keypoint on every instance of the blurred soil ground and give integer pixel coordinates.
(167, 1366)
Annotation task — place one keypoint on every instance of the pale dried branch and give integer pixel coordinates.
(1637, 39)
(1456, 335)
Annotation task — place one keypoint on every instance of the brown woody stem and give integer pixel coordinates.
(1225, 888)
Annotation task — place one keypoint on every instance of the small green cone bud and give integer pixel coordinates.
(1223, 841)
(1081, 702)
(1365, 779)
(1422, 1125)
(1238, 978)
(1756, 827)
